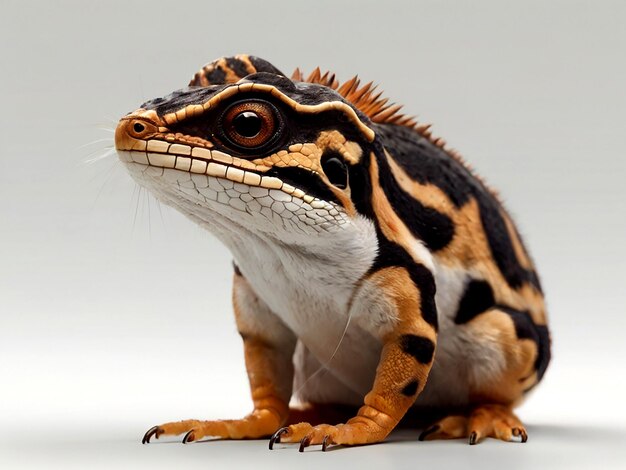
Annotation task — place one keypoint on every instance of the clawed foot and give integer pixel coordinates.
(495, 421)
(326, 435)
(259, 424)
(189, 427)
(157, 431)
(305, 441)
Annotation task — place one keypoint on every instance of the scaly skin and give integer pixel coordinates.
(356, 235)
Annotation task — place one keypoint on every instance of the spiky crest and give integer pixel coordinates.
(371, 103)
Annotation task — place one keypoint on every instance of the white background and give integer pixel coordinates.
(115, 314)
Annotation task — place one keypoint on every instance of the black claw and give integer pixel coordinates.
(426, 432)
(306, 440)
(189, 437)
(154, 430)
(472, 438)
(325, 442)
(521, 433)
(276, 437)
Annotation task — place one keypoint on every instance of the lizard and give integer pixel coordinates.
(373, 268)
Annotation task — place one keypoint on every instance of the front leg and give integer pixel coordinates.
(407, 327)
(268, 349)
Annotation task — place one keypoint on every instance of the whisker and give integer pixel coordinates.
(158, 204)
(135, 196)
(96, 177)
(108, 152)
(108, 139)
(324, 367)
(108, 124)
(149, 217)
(138, 208)
(106, 147)
(108, 120)
(107, 178)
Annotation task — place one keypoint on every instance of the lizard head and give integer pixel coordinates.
(244, 147)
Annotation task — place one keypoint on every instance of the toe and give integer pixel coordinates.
(277, 436)
(294, 433)
(319, 435)
(325, 435)
(189, 437)
(326, 442)
(304, 442)
(428, 431)
(451, 427)
(153, 431)
(521, 433)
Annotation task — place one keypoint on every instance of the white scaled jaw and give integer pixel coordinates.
(205, 183)
(206, 162)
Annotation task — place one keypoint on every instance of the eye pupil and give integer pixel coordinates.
(247, 124)
(138, 127)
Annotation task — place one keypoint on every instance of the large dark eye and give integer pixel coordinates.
(250, 124)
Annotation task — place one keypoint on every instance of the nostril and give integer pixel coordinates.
(132, 128)
(139, 127)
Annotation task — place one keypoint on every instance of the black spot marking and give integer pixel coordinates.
(543, 359)
(306, 180)
(236, 268)
(425, 282)
(391, 254)
(427, 163)
(410, 389)
(435, 229)
(477, 298)
(525, 328)
(421, 348)
(237, 66)
(217, 76)
(335, 169)
(361, 188)
(501, 245)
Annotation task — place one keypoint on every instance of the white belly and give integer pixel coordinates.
(310, 291)
(309, 284)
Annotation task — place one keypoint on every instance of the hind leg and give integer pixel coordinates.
(513, 355)
(497, 421)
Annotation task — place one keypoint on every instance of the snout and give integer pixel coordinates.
(135, 129)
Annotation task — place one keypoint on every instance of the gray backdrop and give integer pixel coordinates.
(115, 313)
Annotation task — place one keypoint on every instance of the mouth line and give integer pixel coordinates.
(212, 163)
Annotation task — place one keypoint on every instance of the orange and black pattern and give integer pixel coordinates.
(347, 144)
